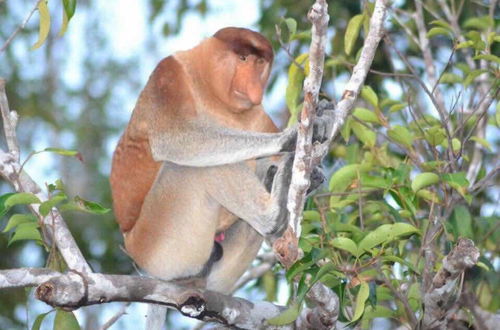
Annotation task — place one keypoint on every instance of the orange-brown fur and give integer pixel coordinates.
(179, 91)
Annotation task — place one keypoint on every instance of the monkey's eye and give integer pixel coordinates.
(260, 60)
(243, 58)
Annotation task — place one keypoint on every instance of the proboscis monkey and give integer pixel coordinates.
(189, 174)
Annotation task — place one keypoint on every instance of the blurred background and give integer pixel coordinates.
(78, 91)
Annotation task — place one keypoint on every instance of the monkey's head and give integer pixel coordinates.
(242, 65)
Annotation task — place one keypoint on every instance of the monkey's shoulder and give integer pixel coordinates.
(167, 90)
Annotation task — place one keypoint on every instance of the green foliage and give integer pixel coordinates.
(25, 226)
(69, 7)
(398, 167)
(65, 320)
(352, 32)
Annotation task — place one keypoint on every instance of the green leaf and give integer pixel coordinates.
(442, 24)
(296, 78)
(461, 222)
(456, 145)
(44, 29)
(291, 28)
(437, 31)
(374, 181)
(344, 177)
(397, 107)
(482, 142)
(472, 75)
(18, 219)
(21, 199)
(46, 206)
(450, 78)
(401, 135)
(423, 180)
(483, 266)
(480, 23)
(435, 135)
(345, 131)
(369, 96)
(378, 311)
(366, 115)
(465, 44)
(80, 204)
(69, 8)
(401, 261)
(26, 231)
(364, 134)
(63, 152)
(352, 32)
(345, 244)
(428, 195)
(65, 321)
(488, 57)
(299, 266)
(459, 182)
(4, 209)
(385, 234)
(64, 25)
(414, 297)
(286, 317)
(311, 215)
(288, 29)
(38, 321)
(269, 285)
(361, 298)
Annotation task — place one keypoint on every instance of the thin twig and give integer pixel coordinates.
(116, 317)
(402, 298)
(20, 27)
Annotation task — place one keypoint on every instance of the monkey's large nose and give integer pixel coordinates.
(255, 92)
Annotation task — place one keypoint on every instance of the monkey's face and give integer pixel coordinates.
(242, 67)
(241, 79)
(248, 82)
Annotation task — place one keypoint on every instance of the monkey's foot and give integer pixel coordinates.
(287, 248)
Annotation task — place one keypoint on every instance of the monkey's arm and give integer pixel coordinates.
(201, 144)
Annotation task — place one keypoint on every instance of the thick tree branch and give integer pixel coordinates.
(74, 289)
(440, 297)
(324, 315)
(360, 70)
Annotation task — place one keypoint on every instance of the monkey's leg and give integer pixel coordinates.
(240, 245)
(239, 190)
(174, 235)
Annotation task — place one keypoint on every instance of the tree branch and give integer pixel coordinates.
(74, 289)
(440, 296)
(20, 27)
(318, 15)
(10, 169)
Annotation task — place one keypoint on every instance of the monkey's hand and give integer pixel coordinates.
(323, 124)
(322, 127)
(317, 179)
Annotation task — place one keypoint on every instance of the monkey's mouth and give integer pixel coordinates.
(243, 98)
(219, 237)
